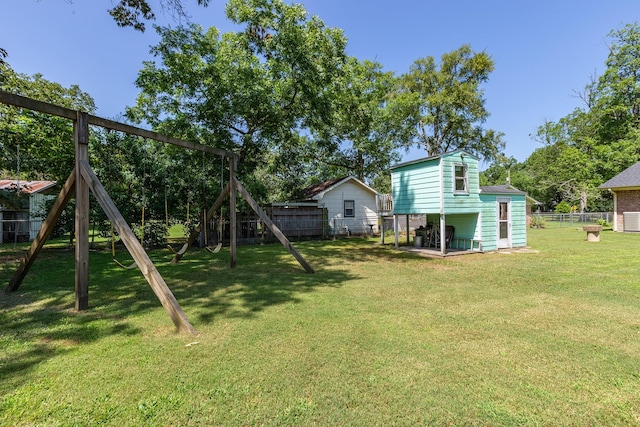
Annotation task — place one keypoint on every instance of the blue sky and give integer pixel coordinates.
(543, 50)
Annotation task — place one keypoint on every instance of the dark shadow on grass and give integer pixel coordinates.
(35, 331)
(38, 320)
(360, 250)
(41, 313)
(265, 275)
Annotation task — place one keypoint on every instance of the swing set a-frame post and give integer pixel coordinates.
(83, 180)
(81, 142)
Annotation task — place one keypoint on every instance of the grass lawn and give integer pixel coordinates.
(375, 337)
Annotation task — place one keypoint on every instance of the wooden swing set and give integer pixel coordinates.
(83, 179)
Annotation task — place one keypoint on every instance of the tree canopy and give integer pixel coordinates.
(249, 91)
(46, 142)
(443, 105)
(282, 93)
(134, 13)
(595, 142)
(359, 138)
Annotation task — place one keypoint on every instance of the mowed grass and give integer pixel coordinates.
(376, 337)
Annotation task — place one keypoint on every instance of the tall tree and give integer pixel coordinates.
(444, 104)
(618, 89)
(45, 142)
(561, 172)
(358, 141)
(246, 91)
(599, 140)
(134, 13)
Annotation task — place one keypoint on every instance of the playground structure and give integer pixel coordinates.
(82, 180)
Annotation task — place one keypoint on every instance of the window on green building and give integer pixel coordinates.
(461, 178)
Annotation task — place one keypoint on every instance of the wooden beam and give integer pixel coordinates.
(121, 127)
(274, 229)
(43, 107)
(32, 104)
(45, 231)
(195, 233)
(232, 214)
(150, 272)
(81, 141)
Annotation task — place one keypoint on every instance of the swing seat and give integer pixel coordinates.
(182, 250)
(119, 264)
(214, 250)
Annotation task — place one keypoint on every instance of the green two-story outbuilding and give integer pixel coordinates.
(446, 189)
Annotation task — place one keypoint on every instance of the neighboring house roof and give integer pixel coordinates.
(29, 187)
(424, 159)
(317, 191)
(629, 177)
(507, 189)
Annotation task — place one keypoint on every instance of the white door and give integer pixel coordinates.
(504, 223)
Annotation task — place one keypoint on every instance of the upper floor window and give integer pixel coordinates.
(349, 208)
(461, 178)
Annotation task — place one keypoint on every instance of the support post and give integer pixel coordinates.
(443, 235)
(232, 212)
(47, 227)
(408, 241)
(136, 250)
(395, 229)
(195, 233)
(81, 141)
(274, 229)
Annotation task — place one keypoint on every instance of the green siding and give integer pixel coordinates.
(467, 226)
(416, 188)
(461, 203)
(518, 221)
(490, 220)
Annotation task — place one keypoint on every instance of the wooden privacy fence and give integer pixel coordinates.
(300, 221)
(251, 230)
(82, 179)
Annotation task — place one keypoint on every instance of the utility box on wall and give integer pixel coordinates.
(631, 221)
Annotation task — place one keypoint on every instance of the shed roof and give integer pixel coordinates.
(437, 156)
(318, 188)
(629, 177)
(317, 191)
(507, 189)
(29, 187)
(501, 189)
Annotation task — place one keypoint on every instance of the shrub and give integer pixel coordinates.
(538, 222)
(603, 222)
(155, 233)
(563, 207)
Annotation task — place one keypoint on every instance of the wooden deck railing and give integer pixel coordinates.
(385, 204)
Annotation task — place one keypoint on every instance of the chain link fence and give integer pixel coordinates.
(572, 219)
